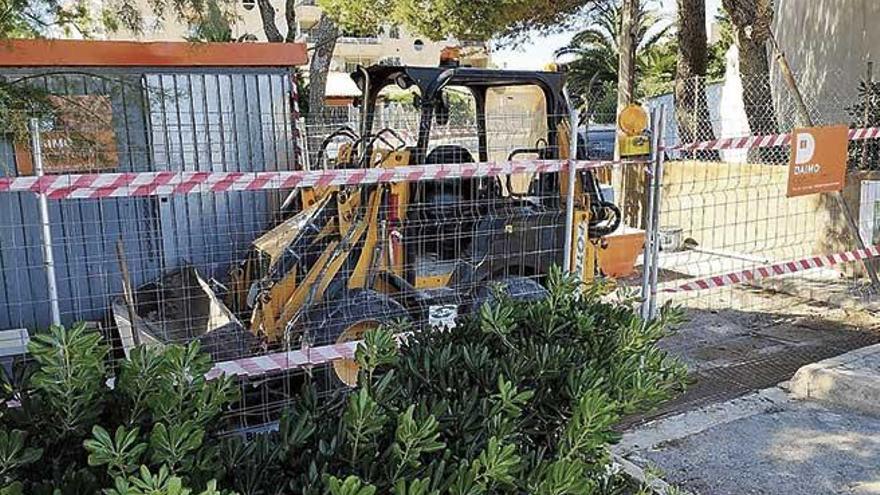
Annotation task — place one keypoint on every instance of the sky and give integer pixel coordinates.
(538, 50)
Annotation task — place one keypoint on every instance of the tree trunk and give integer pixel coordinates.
(267, 16)
(290, 16)
(626, 73)
(691, 109)
(626, 66)
(326, 33)
(751, 20)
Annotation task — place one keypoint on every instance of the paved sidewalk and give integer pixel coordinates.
(763, 443)
(736, 431)
(737, 350)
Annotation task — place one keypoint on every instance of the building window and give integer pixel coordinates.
(418, 45)
(248, 4)
(359, 38)
(351, 65)
(394, 61)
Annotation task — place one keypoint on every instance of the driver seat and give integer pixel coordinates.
(441, 197)
(444, 205)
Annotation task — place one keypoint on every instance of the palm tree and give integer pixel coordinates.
(656, 67)
(691, 109)
(658, 62)
(598, 52)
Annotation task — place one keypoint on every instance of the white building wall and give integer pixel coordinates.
(362, 50)
(827, 43)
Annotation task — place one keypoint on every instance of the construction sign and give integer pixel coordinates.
(78, 138)
(818, 160)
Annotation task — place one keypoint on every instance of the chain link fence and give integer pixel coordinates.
(726, 209)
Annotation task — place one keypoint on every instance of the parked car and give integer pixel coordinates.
(600, 142)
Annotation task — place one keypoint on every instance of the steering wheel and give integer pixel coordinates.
(344, 131)
(607, 217)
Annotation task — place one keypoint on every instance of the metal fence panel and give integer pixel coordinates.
(169, 121)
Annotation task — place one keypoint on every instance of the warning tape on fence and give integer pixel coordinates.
(93, 186)
(283, 361)
(748, 142)
(290, 360)
(314, 356)
(775, 270)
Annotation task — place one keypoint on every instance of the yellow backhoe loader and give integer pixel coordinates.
(351, 258)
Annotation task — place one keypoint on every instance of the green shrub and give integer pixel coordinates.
(162, 413)
(520, 398)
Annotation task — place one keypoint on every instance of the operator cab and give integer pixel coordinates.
(486, 89)
(514, 115)
(465, 115)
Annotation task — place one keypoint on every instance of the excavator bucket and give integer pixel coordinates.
(178, 308)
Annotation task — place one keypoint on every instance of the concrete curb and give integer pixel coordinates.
(850, 380)
(655, 484)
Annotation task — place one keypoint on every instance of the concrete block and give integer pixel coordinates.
(850, 380)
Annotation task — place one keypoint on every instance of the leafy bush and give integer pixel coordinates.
(162, 412)
(520, 398)
(865, 154)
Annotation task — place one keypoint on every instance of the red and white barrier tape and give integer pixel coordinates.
(302, 358)
(776, 269)
(94, 186)
(748, 142)
(283, 361)
(291, 360)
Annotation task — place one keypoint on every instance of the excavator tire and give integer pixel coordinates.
(346, 319)
(516, 287)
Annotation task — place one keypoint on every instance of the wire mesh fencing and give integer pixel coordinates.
(155, 123)
(139, 256)
(200, 206)
(168, 207)
(725, 210)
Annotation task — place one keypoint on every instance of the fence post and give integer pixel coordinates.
(658, 183)
(569, 196)
(869, 84)
(46, 231)
(647, 252)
